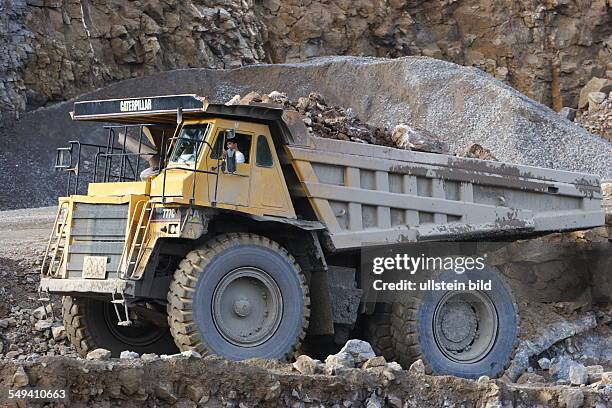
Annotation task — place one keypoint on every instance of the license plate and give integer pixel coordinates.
(94, 267)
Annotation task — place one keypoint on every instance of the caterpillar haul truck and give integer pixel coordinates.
(176, 243)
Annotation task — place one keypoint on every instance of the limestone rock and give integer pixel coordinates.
(412, 138)
(418, 367)
(594, 85)
(378, 361)
(595, 100)
(43, 325)
(99, 354)
(359, 350)
(306, 365)
(530, 378)
(59, 333)
(578, 374)
(544, 363)
(594, 373)
(476, 151)
(20, 378)
(571, 398)
(342, 358)
(128, 355)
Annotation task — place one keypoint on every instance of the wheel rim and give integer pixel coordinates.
(247, 307)
(465, 326)
(140, 334)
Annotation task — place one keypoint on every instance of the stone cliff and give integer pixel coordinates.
(52, 50)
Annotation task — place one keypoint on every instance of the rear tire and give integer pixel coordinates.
(463, 333)
(91, 324)
(240, 296)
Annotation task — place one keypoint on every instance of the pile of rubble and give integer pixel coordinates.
(354, 377)
(27, 334)
(594, 108)
(336, 122)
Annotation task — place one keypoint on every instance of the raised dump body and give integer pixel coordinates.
(374, 194)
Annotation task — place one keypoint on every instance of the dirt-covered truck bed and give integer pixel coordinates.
(375, 194)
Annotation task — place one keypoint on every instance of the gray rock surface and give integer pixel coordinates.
(128, 355)
(578, 374)
(359, 350)
(461, 106)
(99, 354)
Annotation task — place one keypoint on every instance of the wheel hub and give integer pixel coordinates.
(247, 307)
(465, 326)
(242, 307)
(458, 325)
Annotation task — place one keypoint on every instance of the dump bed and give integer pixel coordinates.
(374, 194)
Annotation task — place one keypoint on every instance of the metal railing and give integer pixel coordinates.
(111, 161)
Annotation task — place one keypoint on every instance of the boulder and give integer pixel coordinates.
(128, 355)
(99, 354)
(42, 312)
(578, 374)
(594, 373)
(568, 113)
(378, 361)
(59, 333)
(20, 378)
(476, 151)
(418, 367)
(342, 358)
(596, 99)
(544, 363)
(306, 365)
(359, 350)
(410, 137)
(560, 368)
(571, 398)
(43, 325)
(594, 85)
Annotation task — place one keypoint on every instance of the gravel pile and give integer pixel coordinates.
(28, 330)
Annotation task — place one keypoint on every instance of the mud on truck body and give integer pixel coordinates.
(245, 259)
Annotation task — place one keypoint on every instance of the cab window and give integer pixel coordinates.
(189, 143)
(263, 157)
(242, 140)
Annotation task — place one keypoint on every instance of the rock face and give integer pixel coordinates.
(57, 49)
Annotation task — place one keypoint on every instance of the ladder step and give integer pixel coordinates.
(118, 301)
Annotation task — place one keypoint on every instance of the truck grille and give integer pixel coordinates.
(96, 230)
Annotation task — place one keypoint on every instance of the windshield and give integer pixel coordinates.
(188, 144)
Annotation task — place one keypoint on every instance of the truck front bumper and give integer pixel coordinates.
(93, 286)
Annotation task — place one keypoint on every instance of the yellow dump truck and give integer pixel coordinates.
(231, 230)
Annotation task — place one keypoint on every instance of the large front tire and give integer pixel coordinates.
(92, 324)
(463, 333)
(240, 296)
